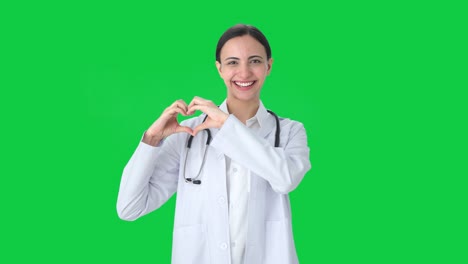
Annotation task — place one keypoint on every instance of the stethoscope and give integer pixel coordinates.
(195, 180)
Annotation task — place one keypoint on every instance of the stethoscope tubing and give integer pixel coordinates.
(195, 180)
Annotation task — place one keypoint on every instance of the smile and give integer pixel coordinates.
(244, 84)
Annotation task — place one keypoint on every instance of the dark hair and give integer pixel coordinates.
(240, 30)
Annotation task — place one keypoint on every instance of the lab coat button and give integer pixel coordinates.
(234, 169)
(221, 200)
(223, 246)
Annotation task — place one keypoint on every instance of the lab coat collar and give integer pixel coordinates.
(266, 121)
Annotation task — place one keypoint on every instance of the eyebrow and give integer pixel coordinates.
(251, 57)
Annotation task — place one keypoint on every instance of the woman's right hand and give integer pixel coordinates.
(167, 124)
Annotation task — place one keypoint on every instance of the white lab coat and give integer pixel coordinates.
(201, 227)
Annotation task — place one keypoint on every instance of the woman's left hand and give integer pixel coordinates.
(216, 117)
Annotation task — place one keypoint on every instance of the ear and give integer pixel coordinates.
(218, 66)
(270, 63)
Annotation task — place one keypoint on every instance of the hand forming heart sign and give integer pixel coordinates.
(167, 123)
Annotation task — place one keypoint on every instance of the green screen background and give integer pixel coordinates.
(379, 85)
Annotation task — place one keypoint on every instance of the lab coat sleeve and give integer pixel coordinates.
(149, 179)
(283, 167)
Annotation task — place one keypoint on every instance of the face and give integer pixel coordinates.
(243, 67)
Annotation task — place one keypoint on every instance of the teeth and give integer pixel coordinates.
(245, 84)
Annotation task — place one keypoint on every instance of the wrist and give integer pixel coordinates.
(151, 139)
(223, 120)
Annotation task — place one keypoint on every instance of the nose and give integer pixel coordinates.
(244, 71)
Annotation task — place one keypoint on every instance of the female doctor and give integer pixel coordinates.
(232, 167)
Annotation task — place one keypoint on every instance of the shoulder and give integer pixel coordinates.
(292, 132)
(290, 124)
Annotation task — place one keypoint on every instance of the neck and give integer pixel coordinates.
(242, 110)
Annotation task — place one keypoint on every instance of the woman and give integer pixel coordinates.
(233, 177)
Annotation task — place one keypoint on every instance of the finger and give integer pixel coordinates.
(203, 108)
(199, 101)
(180, 101)
(173, 111)
(181, 104)
(184, 129)
(183, 109)
(199, 128)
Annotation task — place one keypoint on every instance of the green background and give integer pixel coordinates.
(379, 85)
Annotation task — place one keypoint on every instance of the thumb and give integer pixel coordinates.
(184, 129)
(199, 128)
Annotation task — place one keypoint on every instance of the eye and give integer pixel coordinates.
(233, 62)
(256, 61)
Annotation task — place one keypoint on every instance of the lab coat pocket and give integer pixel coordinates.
(190, 245)
(279, 248)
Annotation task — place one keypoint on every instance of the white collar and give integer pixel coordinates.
(261, 116)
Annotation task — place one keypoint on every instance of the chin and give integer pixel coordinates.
(245, 97)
